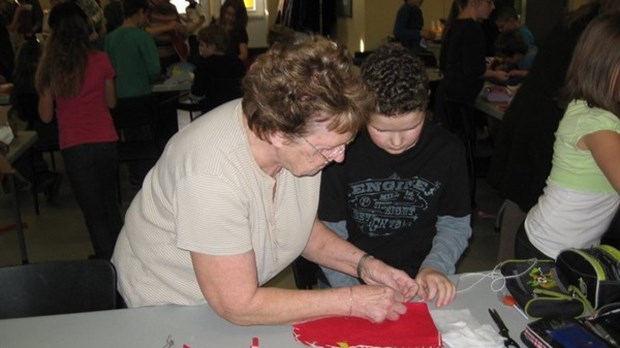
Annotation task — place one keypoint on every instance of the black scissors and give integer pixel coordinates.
(503, 330)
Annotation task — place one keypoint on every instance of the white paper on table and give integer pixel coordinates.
(459, 329)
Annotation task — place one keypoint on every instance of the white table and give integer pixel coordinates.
(495, 110)
(196, 326)
(183, 86)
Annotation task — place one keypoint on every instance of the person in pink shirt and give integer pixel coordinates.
(79, 83)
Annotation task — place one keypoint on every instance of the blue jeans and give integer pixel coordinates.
(92, 170)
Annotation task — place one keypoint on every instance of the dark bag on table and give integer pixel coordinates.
(576, 284)
(538, 290)
(594, 271)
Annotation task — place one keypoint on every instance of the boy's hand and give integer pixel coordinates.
(433, 284)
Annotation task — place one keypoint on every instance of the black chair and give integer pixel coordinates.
(193, 109)
(307, 274)
(220, 91)
(47, 136)
(135, 121)
(58, 287)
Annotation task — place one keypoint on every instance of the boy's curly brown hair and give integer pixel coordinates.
(397, 79)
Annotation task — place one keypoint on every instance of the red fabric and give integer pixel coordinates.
(414, 329)
(85, 118)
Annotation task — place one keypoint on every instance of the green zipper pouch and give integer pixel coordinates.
(594, 271)
(537, 288)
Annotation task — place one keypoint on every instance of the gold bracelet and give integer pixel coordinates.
(350, 300)
(360, 264)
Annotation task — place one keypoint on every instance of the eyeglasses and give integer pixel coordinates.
(331, 153)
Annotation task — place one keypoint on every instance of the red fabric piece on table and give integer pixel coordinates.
(414, 329)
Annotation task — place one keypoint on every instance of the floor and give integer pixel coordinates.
(59, 233)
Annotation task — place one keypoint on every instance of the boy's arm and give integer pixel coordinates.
(170, 26)
(151, 58)
(518, 73)
(449, 243)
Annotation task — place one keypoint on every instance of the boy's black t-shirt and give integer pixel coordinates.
(391, 202)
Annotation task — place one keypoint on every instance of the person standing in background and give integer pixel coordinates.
(134, 56)
(133, 53)
(507, 20)
(462, 61)
(113, 13)
(218, 75)
(28, 19)
(523, 150)
(409, 25)
(490, 28)
(25, 100)
(7, 53)
(514, 56)
(165, 26)
(582, 192)
(234, 19)
(195, 19)
(79, 83)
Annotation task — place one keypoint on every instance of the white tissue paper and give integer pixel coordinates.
(460, 329)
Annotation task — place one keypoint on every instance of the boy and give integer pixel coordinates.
(134, 57)
(508, 20)
(133, 52)
(513, 55)
(401, 194)
(218, 76)
(409, 25)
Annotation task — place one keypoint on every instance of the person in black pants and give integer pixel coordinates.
(521, 161)
(462, 62)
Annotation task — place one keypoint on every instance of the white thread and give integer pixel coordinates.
(496, 276)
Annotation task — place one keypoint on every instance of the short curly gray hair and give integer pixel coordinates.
(296, 85)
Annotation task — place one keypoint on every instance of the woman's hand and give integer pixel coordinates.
(377, 303)
(376, 272)
(434, 284)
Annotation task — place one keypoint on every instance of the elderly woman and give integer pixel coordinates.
(233, 200)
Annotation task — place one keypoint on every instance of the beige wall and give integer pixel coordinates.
(373, 21)
(575, 3)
